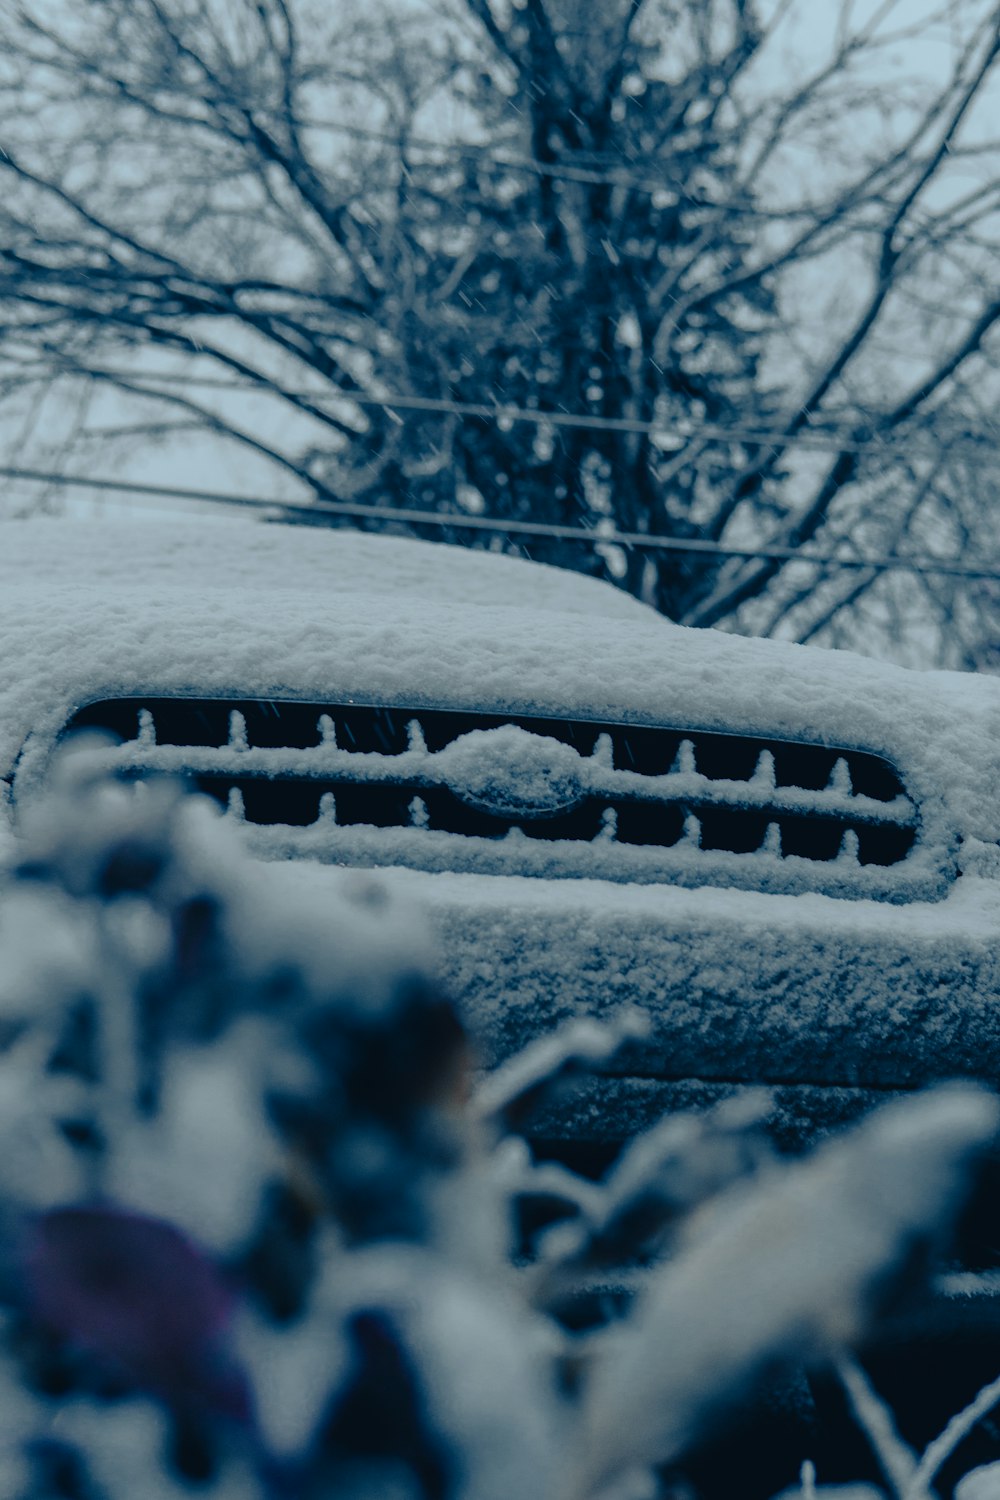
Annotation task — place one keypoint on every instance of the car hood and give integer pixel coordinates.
(94, 611)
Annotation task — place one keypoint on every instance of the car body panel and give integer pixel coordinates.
(806, 991)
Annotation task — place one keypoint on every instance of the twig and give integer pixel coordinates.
(874, 1417)
(944, 1445)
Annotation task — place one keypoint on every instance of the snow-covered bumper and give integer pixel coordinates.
(830, 1003)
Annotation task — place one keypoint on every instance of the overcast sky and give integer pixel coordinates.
(804, 39)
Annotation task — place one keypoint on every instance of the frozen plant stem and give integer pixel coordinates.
(873, 1416)
(944, 1445)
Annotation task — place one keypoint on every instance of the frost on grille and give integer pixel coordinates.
(439, 789)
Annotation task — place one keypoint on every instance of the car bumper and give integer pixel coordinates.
(833, 1003)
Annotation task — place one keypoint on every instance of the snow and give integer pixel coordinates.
(980, 1484)
(683, 863)
(210, 1148)
(124, 1444)
(785, 1264)
(37, 1166)
(482, 1353)
(280, 1041)
(103, 608)
(221, 555)
(740, 985)
(744, 984)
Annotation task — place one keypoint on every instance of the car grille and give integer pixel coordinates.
(443, 789)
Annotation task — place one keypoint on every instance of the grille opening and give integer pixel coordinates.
(650, 823)
(881, 845)
(179, 722)
(205, 724)
(650, 752)
(806, 766)
(739, 832)
(819, 838)
(368, 731)
(582, 822)
(725, 759)
(450, 814)
(814, 838)
(706, 793)
(119, 717)
(874, 778)
(375, 804)
(293, 802)
(446, 813)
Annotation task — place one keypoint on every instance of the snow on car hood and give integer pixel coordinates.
(228, 555)
(236, 609)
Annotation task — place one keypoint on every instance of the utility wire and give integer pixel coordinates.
(641, 541)
(822, 441)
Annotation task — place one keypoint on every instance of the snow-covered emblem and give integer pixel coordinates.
(512, 773)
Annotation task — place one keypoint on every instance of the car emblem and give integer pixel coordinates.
(512, 773)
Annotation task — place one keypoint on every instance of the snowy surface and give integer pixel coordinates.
(742, 984)
(222, 555)
(739, 987)
(93, 609)
(921, 875)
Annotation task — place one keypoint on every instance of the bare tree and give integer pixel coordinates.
(716, 298)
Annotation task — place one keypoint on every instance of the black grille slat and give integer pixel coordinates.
(631, 787)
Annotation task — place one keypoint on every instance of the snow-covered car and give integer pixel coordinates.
(788, 857)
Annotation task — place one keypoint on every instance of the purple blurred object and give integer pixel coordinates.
(134, 1294)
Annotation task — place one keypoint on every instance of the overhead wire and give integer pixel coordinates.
(680, 431)
(594, 537)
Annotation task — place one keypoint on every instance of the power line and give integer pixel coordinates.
(641, 541)
(821, 441)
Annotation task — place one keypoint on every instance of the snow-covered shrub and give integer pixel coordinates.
(258, 1222)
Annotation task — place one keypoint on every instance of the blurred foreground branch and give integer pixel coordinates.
(257, 1235)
